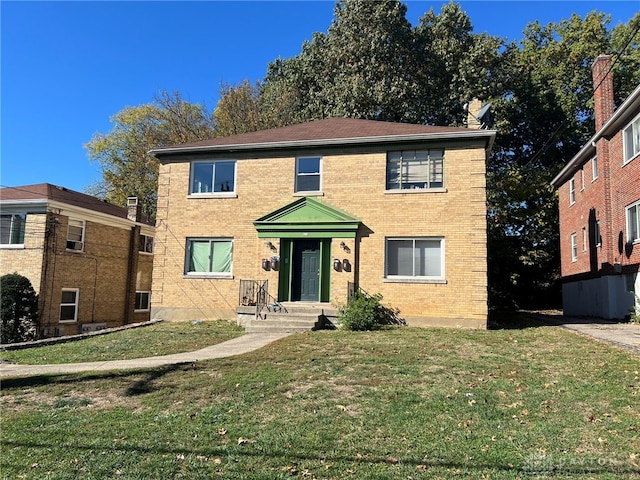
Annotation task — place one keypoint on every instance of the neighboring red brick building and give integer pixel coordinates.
(89, 261)
(599, 195)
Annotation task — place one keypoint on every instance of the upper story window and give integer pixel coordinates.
(415, 169)
(213, 177)
(12, 229)
(582, 179)
(308, 174)
(414, 258)
(594, 168)
(633, 222)
(146, 244)
(574, 247)
(631, 140)
(209, 256)
(75, 235)
(572, 191)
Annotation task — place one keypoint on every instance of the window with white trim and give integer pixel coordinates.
(572, 191)
(597, 234)
(143, 301)
(582, 179)
(12, 229)
(574, 247)
(75, 235)
(209, 256)
(213, 177)
(146, 243)
(633, 222)
(584, 239)
(631, 140)
(308, 174)
(594, 168)
(415, 169)
(414, 258)
(69, 305)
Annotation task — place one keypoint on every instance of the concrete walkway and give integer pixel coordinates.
(237, 346)
(623, 335)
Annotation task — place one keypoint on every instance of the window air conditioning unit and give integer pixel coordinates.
(71, 245)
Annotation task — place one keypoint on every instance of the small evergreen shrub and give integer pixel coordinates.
(19, 313)
(366, 312)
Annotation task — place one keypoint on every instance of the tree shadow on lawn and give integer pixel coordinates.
(139, 386)
(529, 465)
(522, 319)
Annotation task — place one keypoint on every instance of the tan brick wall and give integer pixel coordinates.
(99, 272)
(27, 261)
(356, 185)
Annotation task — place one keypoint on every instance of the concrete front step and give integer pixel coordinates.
(284, 323)
(287, 317)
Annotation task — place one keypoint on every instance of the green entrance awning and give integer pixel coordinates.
(307, 218)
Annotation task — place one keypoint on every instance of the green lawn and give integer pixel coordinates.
(536, 402)
(162, 338)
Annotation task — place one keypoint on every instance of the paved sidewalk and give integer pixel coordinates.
(237, 346)
(623, 335)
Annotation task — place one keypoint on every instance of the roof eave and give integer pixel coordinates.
(489, 134)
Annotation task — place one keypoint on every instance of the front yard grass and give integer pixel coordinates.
(162, 338)
(536, 402)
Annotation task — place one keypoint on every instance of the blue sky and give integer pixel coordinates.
(66, 67)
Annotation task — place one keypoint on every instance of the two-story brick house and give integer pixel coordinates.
(599, 205)
(319, 208)
(89, 261)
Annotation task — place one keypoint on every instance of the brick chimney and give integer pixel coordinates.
(134, 209)
(603, 90)
(473, 109)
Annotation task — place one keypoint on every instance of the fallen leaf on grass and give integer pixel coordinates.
(222, 431)
(243, 441)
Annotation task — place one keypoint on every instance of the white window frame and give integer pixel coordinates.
(584, 239)
(631, 138)
(632, 215)
(75, 305)
(598, 238)
(139, 304)
(572, 191)
(299, 174)
(73, 244)
(414, 278)
(433, 171)
(581, 179)
(213, 274)
(146, 244)
(594, 169)
(574, 247)
(197, 191)
(12, 230)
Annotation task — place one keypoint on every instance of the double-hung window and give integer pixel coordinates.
(415, 169)
(631, 140)
(75, 235)
(146, 244)
(572, 191)
(213, 177)
(12, 229)
(143, 301)
(414, 258)
(574, 247)
(69, 305)
(633, 222)
(308, 174)
(594, 168)
(209, 256)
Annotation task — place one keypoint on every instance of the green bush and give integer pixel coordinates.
(366, 312)
(19, 311)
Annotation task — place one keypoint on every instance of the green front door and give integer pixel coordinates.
(306, 270)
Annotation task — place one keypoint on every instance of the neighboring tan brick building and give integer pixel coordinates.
(320, 208)
(599, 195)
(89, 261)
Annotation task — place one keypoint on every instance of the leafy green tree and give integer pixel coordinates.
(238, 110)
(127, 168)
(19, 310)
